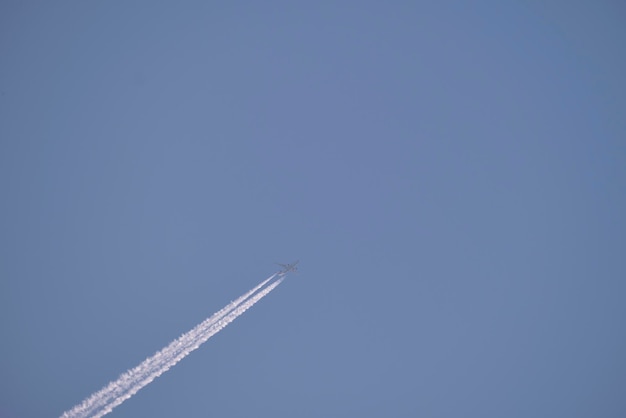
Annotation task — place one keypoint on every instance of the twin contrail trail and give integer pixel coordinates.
(130, 382)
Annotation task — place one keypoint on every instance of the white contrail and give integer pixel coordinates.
(130, 382)
(217, 327)
(128, 378)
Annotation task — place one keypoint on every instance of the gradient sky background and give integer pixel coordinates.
(451, 176)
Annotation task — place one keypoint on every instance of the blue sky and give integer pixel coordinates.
(451, 177)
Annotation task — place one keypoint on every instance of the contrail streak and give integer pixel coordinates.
(128, 378)
(130, 382)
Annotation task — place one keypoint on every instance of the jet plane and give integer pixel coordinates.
(288, 267)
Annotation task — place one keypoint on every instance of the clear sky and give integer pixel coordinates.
(451, 175)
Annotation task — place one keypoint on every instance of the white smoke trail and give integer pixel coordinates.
(217, 327)
(128, 378)
(130, 382)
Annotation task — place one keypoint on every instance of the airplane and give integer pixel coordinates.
(288, 267)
